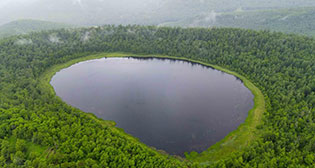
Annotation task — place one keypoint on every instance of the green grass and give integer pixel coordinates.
(234, 141)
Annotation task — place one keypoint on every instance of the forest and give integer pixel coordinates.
(26, 26)
(37, 129)
(292, 20)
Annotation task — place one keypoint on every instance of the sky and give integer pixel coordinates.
(75, 11)
(10, 3)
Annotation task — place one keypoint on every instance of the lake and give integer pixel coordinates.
(172, 105)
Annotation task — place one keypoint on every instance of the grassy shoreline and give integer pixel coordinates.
(234, 141)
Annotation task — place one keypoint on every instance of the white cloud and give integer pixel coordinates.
(77, 2)
(23, 42)
(211, 17)
(4, 3)
(15, 2)
(85, 37)
(54, 38)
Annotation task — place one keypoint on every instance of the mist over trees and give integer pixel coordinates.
(99, 12)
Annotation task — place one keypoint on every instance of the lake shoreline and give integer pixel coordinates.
(234, 141)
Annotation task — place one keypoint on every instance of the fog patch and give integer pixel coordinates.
(207, 19)
(211, 17)
(78, 2)
(284, 18)
(54, 38)
(240, 9)
(86, 36)
(131, 31)
(23, 42)
(108, 31)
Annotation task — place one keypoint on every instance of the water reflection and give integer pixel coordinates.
(176, 106)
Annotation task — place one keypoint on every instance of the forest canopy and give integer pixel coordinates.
(37, 129)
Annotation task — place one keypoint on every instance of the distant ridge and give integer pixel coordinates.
(26, 26)
(296, 20)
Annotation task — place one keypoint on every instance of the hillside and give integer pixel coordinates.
(297, 20)
(287, 16)
(28, 26)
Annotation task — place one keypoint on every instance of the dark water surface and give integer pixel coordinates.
(171, 105)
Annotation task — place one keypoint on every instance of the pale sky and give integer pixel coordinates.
(4, 3)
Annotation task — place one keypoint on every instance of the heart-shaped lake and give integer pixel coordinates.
(176, 106)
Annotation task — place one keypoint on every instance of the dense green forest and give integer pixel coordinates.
(39, 130)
